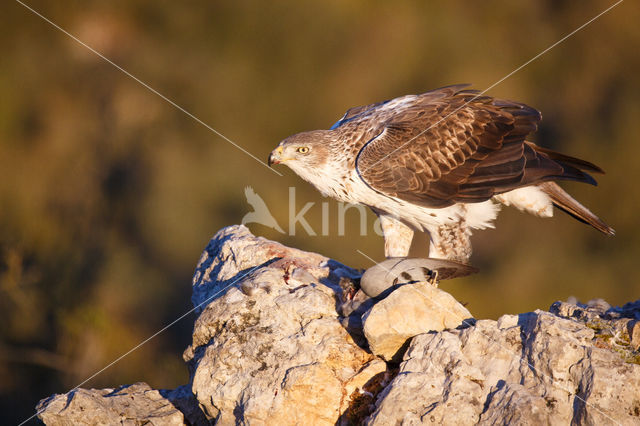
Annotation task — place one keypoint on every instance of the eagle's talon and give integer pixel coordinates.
(434, 278)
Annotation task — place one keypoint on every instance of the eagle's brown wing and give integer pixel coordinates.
(359, 111)
(460, 148)
(355, 112)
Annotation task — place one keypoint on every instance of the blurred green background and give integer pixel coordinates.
(108, 194)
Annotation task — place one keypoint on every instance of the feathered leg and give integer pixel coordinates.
(451, 242)
(397, 236)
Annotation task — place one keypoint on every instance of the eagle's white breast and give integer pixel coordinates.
(336, 180)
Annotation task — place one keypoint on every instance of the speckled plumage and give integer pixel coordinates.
(440, 162)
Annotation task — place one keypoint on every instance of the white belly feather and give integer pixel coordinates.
(475, 215)
(530, 199)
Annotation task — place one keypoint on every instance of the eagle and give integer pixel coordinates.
(441, 162)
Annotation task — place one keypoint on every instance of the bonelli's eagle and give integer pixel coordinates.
(442, 162)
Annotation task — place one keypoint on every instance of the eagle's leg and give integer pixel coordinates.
(397, 236)
(451, 242)
(434, 279)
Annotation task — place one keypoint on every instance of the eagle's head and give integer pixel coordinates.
(303, 152)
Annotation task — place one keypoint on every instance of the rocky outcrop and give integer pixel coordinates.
(270, 347)
(286, 337)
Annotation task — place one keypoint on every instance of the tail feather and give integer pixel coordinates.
(566, 202)
(567, 160)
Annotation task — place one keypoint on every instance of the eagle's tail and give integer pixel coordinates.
(567, 160)
(572, 168)
(570, 205)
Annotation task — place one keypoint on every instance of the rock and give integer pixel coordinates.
(408, 311)
(534, 368)
(270, 348)
(233, 253)
(381, 279)
(280, 339)
(185, 401)
(616, 328)
(132, 404)
(634, 334)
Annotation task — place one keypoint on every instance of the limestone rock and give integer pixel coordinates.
(234, 252)
(185, 401)
(128, 405)
(533, 368)
(410, 310)
(270, 347)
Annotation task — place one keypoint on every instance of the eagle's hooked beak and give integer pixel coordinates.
(275, 157)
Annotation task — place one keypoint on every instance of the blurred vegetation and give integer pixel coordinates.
(108, 193)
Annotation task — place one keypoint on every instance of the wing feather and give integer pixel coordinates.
(450, 145)
(355, 112)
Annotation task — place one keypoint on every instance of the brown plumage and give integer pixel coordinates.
(568, 204)
(475, 150)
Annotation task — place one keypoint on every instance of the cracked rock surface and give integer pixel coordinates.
(281, 338)
(127, 405)
(532, 368)
(271, 348)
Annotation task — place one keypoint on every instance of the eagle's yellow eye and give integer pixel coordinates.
(303, 149)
